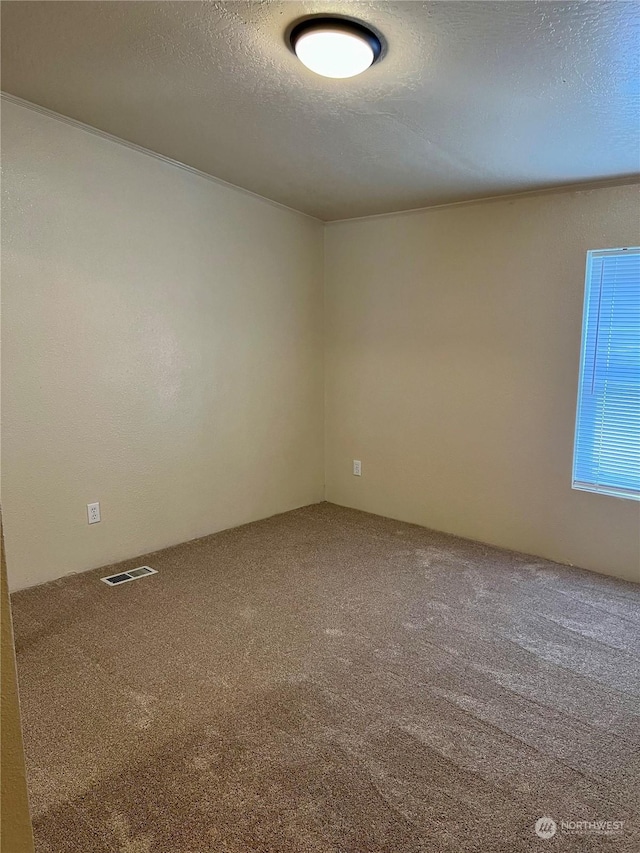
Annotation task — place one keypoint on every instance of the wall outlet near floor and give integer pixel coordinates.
(93, 513)
(357, 468)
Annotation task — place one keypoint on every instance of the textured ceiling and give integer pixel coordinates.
(472, 99)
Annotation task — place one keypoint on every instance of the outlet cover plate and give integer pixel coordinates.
(93, 513)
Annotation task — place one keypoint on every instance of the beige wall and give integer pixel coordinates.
(453, 340)
(162, 352)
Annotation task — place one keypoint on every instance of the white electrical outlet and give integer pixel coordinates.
(357, 468)
(93, 513)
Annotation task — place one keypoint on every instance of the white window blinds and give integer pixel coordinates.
(607, 441)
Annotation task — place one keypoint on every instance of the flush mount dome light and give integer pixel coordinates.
(335, 47)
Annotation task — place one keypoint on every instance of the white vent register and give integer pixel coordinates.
(132, 575)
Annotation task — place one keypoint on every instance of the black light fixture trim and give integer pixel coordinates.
(344, 25)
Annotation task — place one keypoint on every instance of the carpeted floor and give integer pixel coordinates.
(328, 680)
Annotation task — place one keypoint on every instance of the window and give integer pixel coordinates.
(607, 444)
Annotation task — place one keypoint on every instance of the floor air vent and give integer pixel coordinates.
(132, 575)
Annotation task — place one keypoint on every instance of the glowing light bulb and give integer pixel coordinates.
(335, 47)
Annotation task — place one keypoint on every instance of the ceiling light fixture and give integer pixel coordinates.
(335, 47)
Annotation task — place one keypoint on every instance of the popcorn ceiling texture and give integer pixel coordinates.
(471, 100)
(328, 681)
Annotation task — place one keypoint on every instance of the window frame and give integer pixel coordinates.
(622, 492)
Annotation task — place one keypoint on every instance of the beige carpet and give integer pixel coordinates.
(328, 680)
